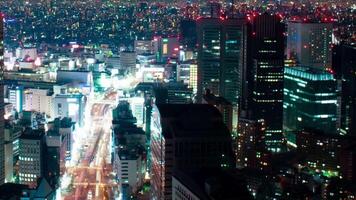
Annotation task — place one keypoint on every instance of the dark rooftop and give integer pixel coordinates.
(191, 120)
(209, 184)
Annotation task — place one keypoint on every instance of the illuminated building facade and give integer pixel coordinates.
(250, 148)
(130, 168)
(309, 43)
(16, 97)
(193, 78)
(143, 46)
(221, 56)
(40, 100)
(30, 157)
(187, 73)
(310, 101)
(165, 48)
(329, 155)
(138, 109)
(188, 140)
(69, 105)
(267, 48)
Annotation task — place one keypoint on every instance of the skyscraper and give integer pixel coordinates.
(309, 43)
(2, 159)
(310, 101)
(31, 162)
(267, 53)
(221, 56)
(344, 65)
(188, 140)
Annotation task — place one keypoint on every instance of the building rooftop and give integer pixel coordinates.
(215, 100)
(131, 154)
(192, 120)
(209, 184)
(32, 134)
(309, 73)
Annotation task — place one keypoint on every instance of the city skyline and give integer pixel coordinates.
(161, 100)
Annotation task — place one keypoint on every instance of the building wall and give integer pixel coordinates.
(168, 152)
(30, 166)
(250, 143)
(128, 61)
(310, 43)
(11, 138)
(143, 46)
(137, 107)
(310, 100)
(66, 143)
(69, 106)
(130, 172)
(344, 64)
(16, 98)
(221, 55)
(267, 42)
(38, 100)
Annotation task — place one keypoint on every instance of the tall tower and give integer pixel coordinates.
(2, 154)
(221, 56)
(267, 53)
(344, 65)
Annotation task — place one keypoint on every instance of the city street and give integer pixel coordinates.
(91, 174)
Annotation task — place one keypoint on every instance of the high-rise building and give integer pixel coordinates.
(267, 54)
(344, 65)
(250, 149)
(221, 55)
(329, 155)
(208, 185)
(16, 97)
(129, 145)
(186, 140)
(2, 105)
(309, 43)
(31, 156)
(187, 73)
(310, 101)
(11, 147)
(188, 33)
